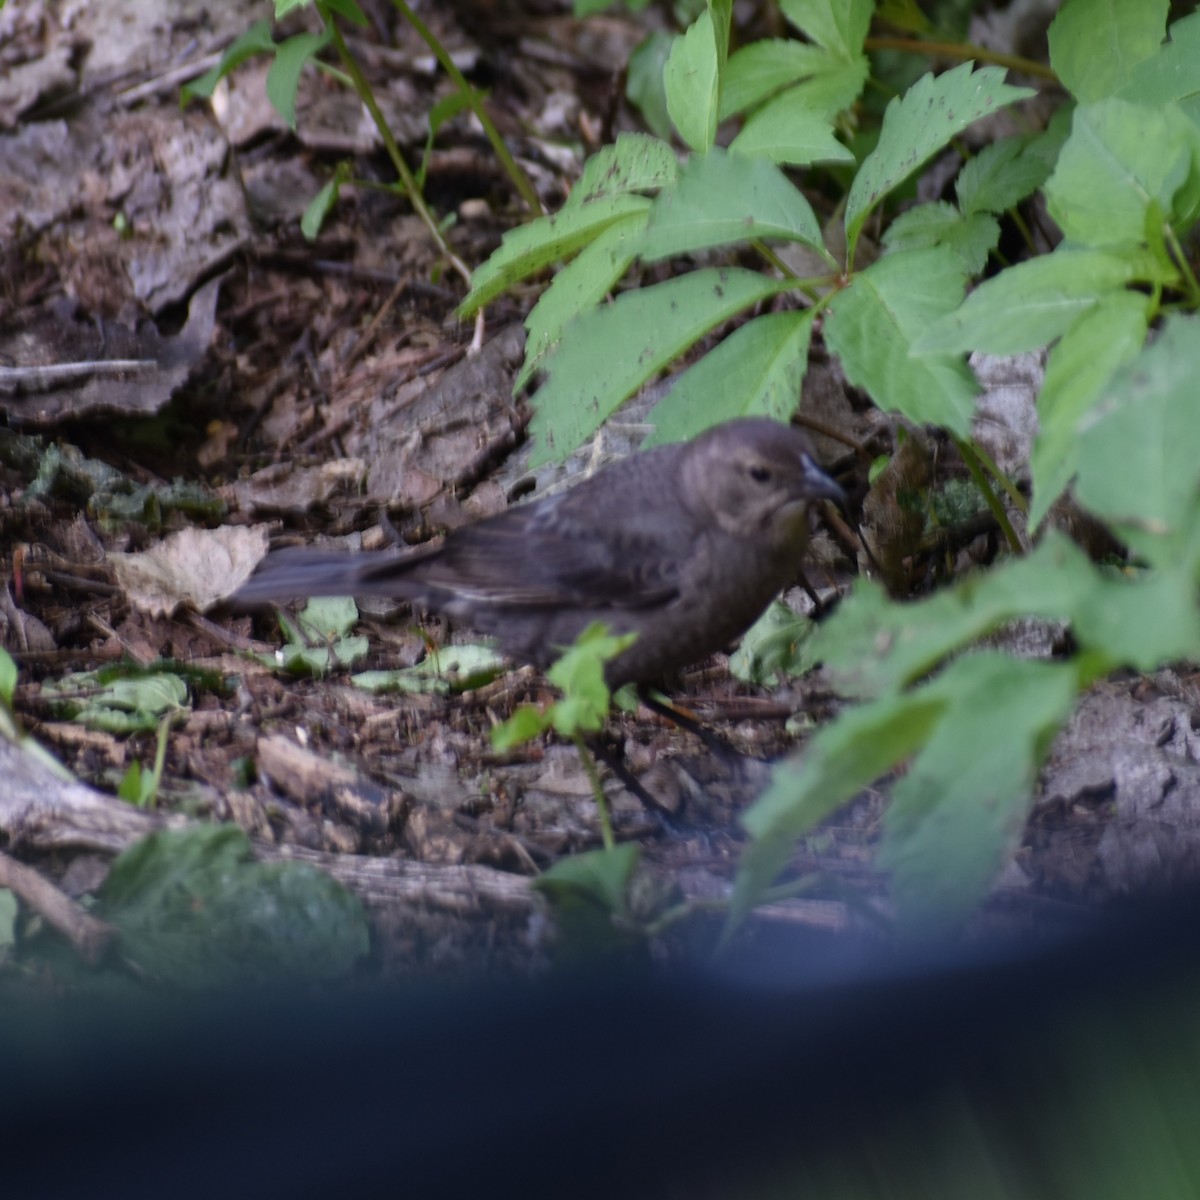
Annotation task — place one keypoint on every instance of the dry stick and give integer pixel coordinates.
(826, 430)
(43, 378)
(90, 937)
(368, 337)
(169, 80)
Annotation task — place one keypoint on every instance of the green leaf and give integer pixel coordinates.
(838, 25)
(348, 9)
(327, 617)
(194, 909)
(579, 286)
(839, 760)
(523, 726)
(322, 621)
(321, 204)
(635, 162)
(787, 130)
(904, 14)
(774, 648)
(972, 238)
(1096, 44)
(1145, 621)
(9, 910)
(692, 80)
(982, 727)
(1139, 456)
(256, 40)
(1120, 159)
(722, 18)
(283, 78)
(1031, 304)
(600, 876)
(917, 125)
(117, 703)
(452, 669)
(596, 903)
(644, 86)
(1077, 371)
(959, 811)
(529, 248)
(650, 327)
(135, 786)
(446, 109)
(579, 674)
(834, 91)
(1172, 73)
(1001, 175)
(8, 677)
(871, 646)
(724, 197)
(872, 324)
(767, 66)
(316, 660)
(758, 370)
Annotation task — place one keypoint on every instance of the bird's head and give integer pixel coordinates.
(755, 477)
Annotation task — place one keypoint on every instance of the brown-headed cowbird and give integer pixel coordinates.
(685, 545)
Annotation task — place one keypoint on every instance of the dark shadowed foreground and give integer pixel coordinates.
(1064, 1069)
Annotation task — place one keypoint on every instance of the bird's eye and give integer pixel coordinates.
(760, 474)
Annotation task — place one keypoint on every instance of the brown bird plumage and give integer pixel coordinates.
(684, 544)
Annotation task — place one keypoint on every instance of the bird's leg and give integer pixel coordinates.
(613, 757)
(713, 742)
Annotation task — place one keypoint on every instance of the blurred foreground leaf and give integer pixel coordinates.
(195, 909)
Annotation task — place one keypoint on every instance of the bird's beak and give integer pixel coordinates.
(816, 485)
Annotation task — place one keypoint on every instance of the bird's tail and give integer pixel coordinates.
(300, 572)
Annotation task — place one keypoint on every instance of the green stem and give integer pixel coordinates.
(1181, 261)
(160, 760)
(1023, 229)
(1014, 492)
(519, 178)
(679, 912)
(332, 72)
(589, 766)
(963, 51)
(790, 890)
(771, 257)
(992, 500)
(695, 904)
(362, 89)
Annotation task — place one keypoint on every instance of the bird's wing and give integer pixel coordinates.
(552, 553)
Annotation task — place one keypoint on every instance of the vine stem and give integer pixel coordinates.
(1181, 261)
(519, 178)
(989, 465)
(362, 89)
(963, 51)
(971, 459)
